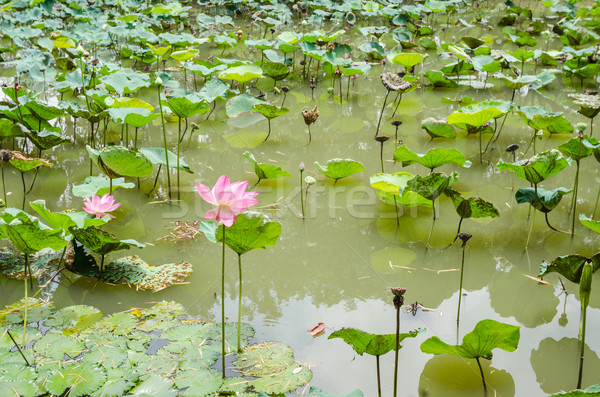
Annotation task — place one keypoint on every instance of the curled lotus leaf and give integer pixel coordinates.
(24, 163)
(310, 116)
(393, 82)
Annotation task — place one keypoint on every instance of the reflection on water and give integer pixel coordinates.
(337, 265)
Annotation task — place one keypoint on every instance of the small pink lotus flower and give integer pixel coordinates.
(100, 206)
(228, 199)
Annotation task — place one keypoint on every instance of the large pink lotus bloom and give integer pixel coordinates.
(228, 199)
(100, 206)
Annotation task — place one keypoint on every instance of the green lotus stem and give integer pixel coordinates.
(530, 229)
(381, 113)
(397, 351)
(24, 190)
(581, 351)
(378, 377)
(269, 133)
(480, 145)
(593, 214)
(397, 105)
(164, 130)
(156, 179)
(575, 188)
(4, 185)
(223, 306)
(397, 216)
(109, 185)
(340, 78)
(482, 378)
(432, 223)
(25, 307)
(309, 135)
(462, 267)
(239, 343)
(17, 346)
(178, 145)
(301, 195)
(381, 157)
(101, 268)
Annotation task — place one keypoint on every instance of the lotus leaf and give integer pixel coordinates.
(539, 167)
(479, 343)
(546, 200)
(266, 171)
(242, 74)
(119, 161)
(373, 344)
(433, 159)
(156, 155)
(569, 266)
(252, 230)
(339, 168)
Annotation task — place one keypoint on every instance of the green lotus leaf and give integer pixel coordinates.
(24, 163)
(546, 201)
(439, 80)
(242, 74)
(99, 185)
(156, 155)
(407, 59)
(9, 130)
(187, 106)
(101, 242)
(266, 171)
(472, 207)
(438, 128)
(316, 392)
(539, 167)
(569, 266)
(27, 234)
(591, 224)
(119, 161)
(432, 159)
(472, 42)
(199, 383)
(125, 81)
(479, 343)
(431, 186)
(204, 68)
(578, 149)
(269, 111)
(389, 187)
(241, 104)
(43, 111)
(458, 52)
(213, 89)
(275, 70)
(252, 230)
(56, 346)
(593, 390)
(472, 117)
(537, 117)
(373, 344)
(45, 139)
(340, 168)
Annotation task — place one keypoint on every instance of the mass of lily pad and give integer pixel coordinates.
(123, 99)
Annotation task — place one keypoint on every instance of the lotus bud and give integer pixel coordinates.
(240, 34)
(304, 23)
(104, 26)
(79, 49)
(301, 166)
(581, 127)
(330, 90)
(585, 284)
(158, 81)
(86, 54)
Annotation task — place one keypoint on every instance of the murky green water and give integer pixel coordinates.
(338, 264)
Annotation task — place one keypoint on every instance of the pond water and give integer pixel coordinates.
(337, 265)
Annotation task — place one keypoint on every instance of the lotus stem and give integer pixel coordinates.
(482, 378)
(592, 124)
(109, 185)
(269, 133)
(552, 227)
(397, 105)
(24, 192)
(381, 156)
(35, 175)
(593, 214)
(301, 195)
(164, 130)
(480, 145)
(378, 377)
(309, 135)
(575, 188)
(25, 307)
(581, 351)
(530, 228)
(18, 347)
(211, 110)
(340, 78)
(381, 113)
(101, 268)
(397, 351)
(178, 146)
(462, 266)
(397, 216)
(4, 185)
(239, 344)
(432, 223)
(223, 306)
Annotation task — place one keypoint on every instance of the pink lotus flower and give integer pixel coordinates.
(228, 199)
(100, 206)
